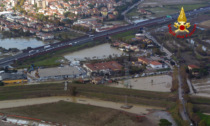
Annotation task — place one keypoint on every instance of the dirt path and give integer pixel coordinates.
(137, 109)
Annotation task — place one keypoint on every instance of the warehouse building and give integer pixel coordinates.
(58, 73)
(13, 78)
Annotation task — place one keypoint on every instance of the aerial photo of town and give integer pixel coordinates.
(104, 62)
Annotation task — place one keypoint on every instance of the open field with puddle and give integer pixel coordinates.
(161, 83)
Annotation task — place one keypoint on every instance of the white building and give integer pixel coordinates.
(156, 65)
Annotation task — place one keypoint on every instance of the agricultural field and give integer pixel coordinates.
(128, 35)
(159, 11)
(202, 86)
(75, 114)
(174, 2)
(205, 24)
(67, 35)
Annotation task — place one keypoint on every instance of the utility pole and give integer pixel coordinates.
(65, 86)
(127, 81)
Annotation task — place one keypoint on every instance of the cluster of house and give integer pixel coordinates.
(95, 22)
(126, 47)
(93, 70)
(136, 48)
(144, 12)
(152, 63)
(58, 8)
(28, 24)
(194, 69)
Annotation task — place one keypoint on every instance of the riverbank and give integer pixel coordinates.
(52, 59)
(103, 51)
(20, 42)
(159, 99)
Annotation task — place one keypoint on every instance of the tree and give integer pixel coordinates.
(175, 83)
(66, 14)
(91, 6)
(73, 91)
(165, 122)
(202, 123)
(1, 83)
(156, 51)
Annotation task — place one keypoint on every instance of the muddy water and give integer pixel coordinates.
(20, 43)
(137, 109)
(100, 52)
(160, 83)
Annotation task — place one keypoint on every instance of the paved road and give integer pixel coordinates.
(183, 111)
(131, 7)
(43, 49)
(169, 54)
(190, 86)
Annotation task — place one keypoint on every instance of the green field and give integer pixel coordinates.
(74, 114)
(88, 90)
(204, 117)
(168, 9)
(68, 35)
(128, 35)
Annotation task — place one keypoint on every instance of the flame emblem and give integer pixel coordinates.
(182, 24)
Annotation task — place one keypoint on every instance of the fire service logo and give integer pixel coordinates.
(182, 26)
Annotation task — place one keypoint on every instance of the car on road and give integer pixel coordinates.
(91, 35)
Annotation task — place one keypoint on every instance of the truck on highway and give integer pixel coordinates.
(31, 51)
(47, 46)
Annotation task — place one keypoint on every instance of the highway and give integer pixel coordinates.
(43, 49)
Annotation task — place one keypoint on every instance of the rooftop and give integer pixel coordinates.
(155, 63)
(113, 65)
(58, 71)
(193, 66)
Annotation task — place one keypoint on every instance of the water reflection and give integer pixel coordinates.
(97, 52)
(20, 43)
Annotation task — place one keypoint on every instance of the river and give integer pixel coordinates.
(20, 42)
(101, 52)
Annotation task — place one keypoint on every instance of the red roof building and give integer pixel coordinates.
(143, 60)
(104, 67)
(190, 67)
(156, 65)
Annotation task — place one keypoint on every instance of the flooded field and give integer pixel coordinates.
(161, 83)
(20, 43)
(202, 86)
(101, 52)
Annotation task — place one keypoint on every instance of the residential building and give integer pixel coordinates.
(143, 60)
(191, 67)
(104, 68)
(156, 65)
